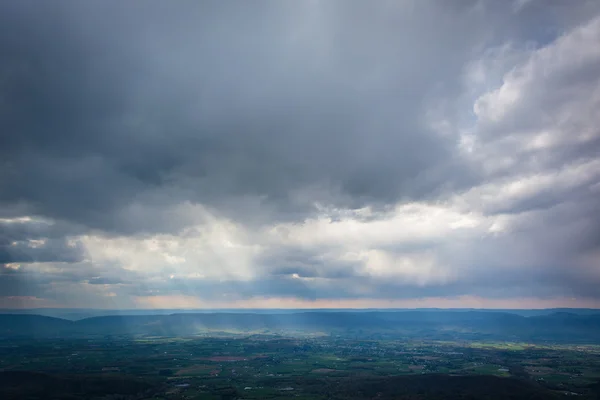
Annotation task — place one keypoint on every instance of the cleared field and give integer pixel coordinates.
(196, 370)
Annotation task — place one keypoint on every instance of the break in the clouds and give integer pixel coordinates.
(316, 153)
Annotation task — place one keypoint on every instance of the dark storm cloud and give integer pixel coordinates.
(60, 282)
(49, 251)
(25, 229)
(109, 104)
(99, 280)
(30, 241)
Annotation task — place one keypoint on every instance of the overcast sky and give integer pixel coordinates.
(300, 153)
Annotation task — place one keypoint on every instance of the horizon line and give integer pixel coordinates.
(296, 309)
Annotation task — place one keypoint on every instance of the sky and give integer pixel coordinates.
(299, 154)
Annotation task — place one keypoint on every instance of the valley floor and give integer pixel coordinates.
(223, 365)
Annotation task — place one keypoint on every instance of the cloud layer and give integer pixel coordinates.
(320, 153)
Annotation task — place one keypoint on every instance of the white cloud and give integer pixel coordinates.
(217, 247)
(548, 101)
(405, 223)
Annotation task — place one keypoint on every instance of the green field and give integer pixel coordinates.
(276, 367)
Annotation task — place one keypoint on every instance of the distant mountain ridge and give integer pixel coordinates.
(468, 325)
(81, 313)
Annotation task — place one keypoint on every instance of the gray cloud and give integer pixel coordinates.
(213, 102)
(116, 120)
(38, 241)
(50, 250)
